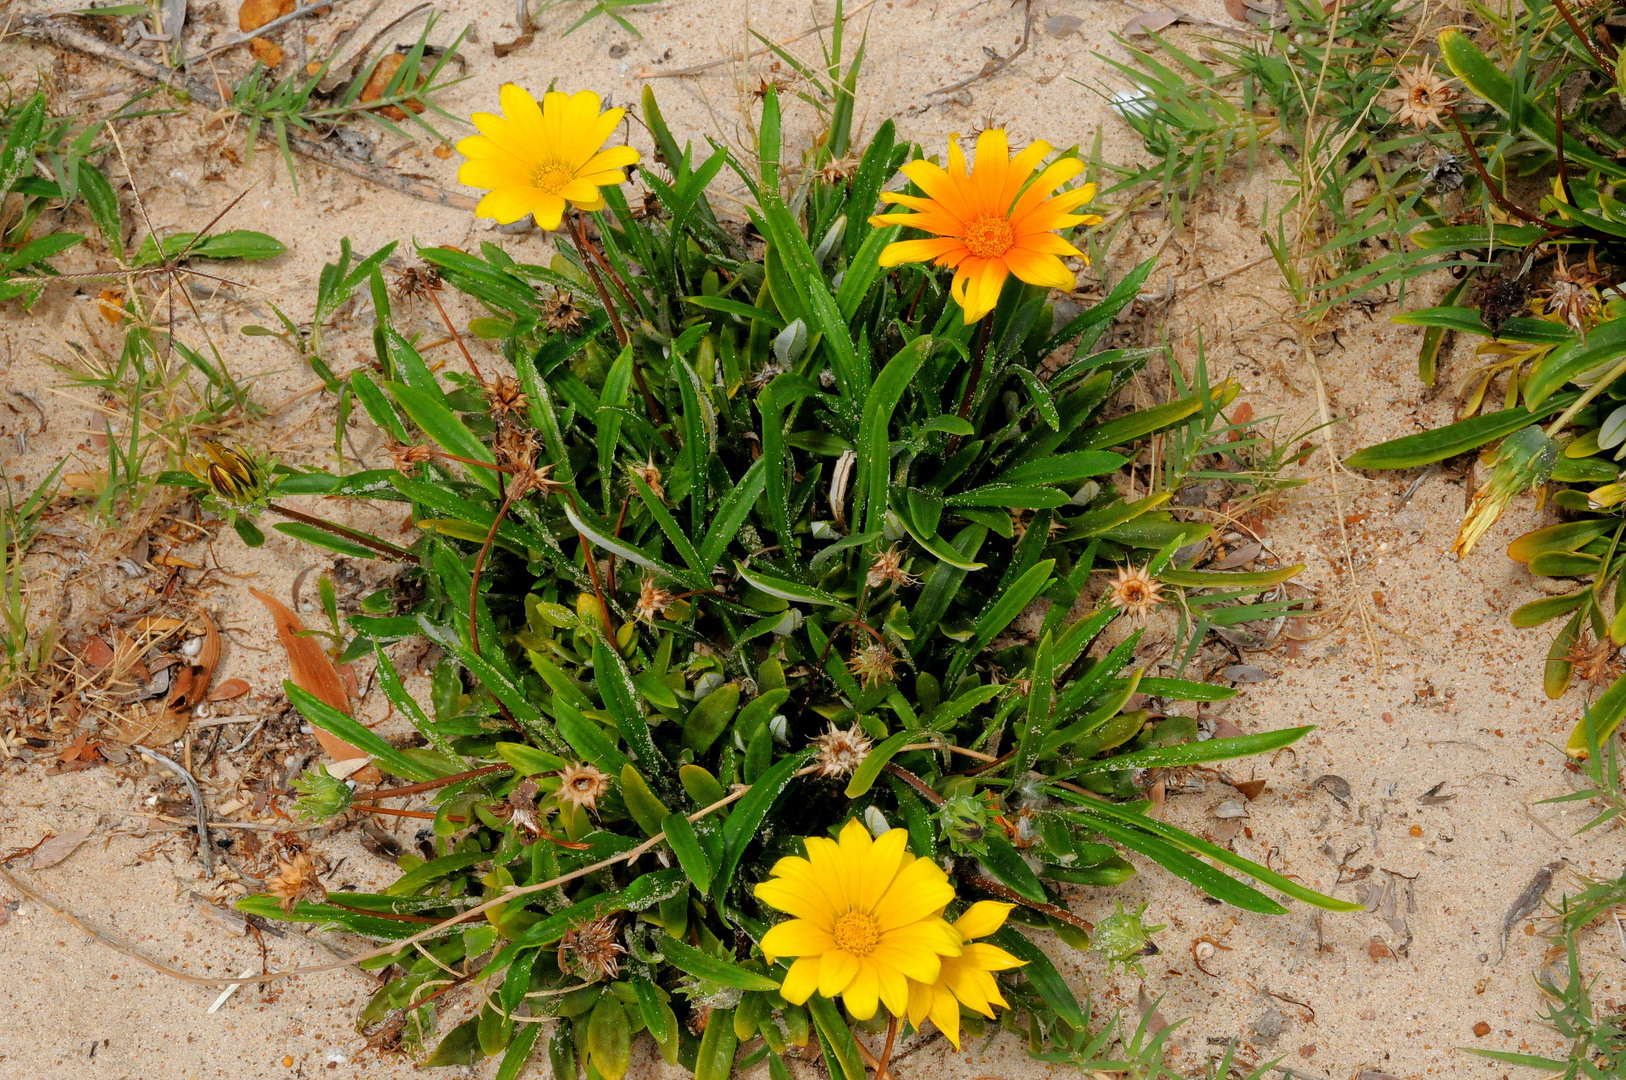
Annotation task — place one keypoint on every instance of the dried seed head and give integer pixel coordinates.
(652, 600)
(873, 665)
(561, 315)
(1572, 296)
(841, 752)
(1597, 663)
(295, 880)
(507, 400)
(581, 785)
(591, 951)
(1422, 98)
(1136, 592)
(418, 281)
(888, 566)
(522, 807)
(839, 170)
(406, 459)
(651, 476)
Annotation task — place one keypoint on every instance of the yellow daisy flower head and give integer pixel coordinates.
(537, 159)
(966, 979)
(866, 919)
(989, 221)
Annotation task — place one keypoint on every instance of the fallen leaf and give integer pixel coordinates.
(1244, 673)
(1151, 22)
(1246, 553)
(97, 654)
(1250, 789)
(256, 13)
(266, 53)
(1224, 729)
(1237, 10)
(176, 560)
(1378, 950)
(1062, 25)
(311, 670)
(157, 624)
(236, 688)
(1333, 785)
(379, 81)
(443, 152)
(58, 848)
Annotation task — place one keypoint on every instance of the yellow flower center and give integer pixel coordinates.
(989, 237)
(858, 933)
(551, 177)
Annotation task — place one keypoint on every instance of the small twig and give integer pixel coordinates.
(881, 1070)
(197, 806)
(331, 153)
(998, 63)
(578, 232)
(987, 884)
(1607, 65)
(249, 35)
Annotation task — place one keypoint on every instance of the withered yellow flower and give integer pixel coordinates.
(540, 159)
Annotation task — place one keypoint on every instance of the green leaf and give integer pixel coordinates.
(999, 615)
(587, 738)
(874, 439)
(621, 698)
(1604, 346)
(837, 1038)
(869, 769)
(321, 538)
(709, 717)
(1465, 320)
(746, 818)
(730, 514)
(1014, 496)
(792, 591)
(1069, 468)
(527, 760)
(1427, 447)
(1175, 757)
(428, 410)
(1042, 975)
(686, 846)
(1547, 609)
(236, 244)
(703, 965)
(1011, 869)
(322, 715)
(1126, 429)
(1219, 579)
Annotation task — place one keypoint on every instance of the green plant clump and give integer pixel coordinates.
(759, 537)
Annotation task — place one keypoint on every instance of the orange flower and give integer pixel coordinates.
(990, 221)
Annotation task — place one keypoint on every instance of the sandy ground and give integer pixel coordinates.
(1421, 683)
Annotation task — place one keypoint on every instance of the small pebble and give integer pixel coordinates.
(1269, 1025)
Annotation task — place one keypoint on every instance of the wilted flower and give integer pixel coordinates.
(1524, 461)
(873, 664)
(1136, 592)
(652, 600)
(237, 476)
(580, 784)
(1422, 98)
(506, 397)
(1573, 297)
(888, 566)
(418, 280)
(839, 170)
(295, 880)
(537, 159)
(651, 476)
(591, 951)
(561, 315)
(406, 459)
(841, 752)
(522, 807)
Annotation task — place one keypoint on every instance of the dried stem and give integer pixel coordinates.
(383, 547)
(427, 785)
(1602, 61)
(1490, 185)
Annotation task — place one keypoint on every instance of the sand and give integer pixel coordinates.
(1414, 679)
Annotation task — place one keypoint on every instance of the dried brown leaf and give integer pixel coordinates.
(58, 848)
(229, 689)
(312, 671)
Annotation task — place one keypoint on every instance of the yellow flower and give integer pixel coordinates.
(965, 979)
(236, 476)
(535, 159)
(990, 221)
(867, 919)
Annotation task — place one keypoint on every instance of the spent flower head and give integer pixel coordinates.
(1136, 592)
(591, 951)
(240, 477)
(888, 567)
(580, 785)
(1524, 461)
(873, 664)
(1422, 98)
(840, 752)
(322, 795)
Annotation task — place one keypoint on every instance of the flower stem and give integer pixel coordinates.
(383, 547)
(977, 358)
(590, 254)
(427, 785)
(886, 1051)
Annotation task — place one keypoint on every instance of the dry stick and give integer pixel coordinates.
(479, 564)
(396, 946)
(382, 546)
(1490, 185)
(1603, 62)
(988, 884)
(427, 785)
(43, 28)
(736, 58)
(994, 66)
(197, 807)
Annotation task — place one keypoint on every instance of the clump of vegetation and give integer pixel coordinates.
(760, 545)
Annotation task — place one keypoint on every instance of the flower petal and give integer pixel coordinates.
(983, 293)
(505, 205)
(945, 1013)
(993, 163)
(986, 957)
(797, 937)
(801, 981)
(939, 186)
(549, 211)
(893, 988)
(921, 996)
(881, 866)
(982, 918)
(525, 116)
(919, 888)
(1057, 174)
(922, 965)
(1022, 166)
(862, 993)
(836, 971)
(909, 251)
(1037, 269)
(616, 157)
